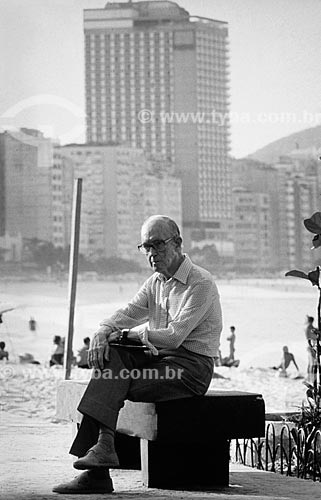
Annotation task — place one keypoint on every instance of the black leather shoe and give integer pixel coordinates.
(97, 456)
(86, 483)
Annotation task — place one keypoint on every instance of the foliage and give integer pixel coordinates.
(309, 420)
(115, 265)
(314, 226)
(313, 276)
(44, 254)
(310, 416)
(207, 257)
(306, 435)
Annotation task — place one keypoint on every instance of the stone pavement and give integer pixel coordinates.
(34, 457)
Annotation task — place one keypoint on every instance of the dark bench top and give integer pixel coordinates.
(218, 414)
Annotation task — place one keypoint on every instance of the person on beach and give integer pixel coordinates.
(82, 361)
(231, 340)
(230, 359)
(3, 353)
(287, 359)
(57, 356)
(177, 315)
(311, 337)
(32, 324)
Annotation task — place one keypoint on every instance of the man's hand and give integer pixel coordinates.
(99, 348)
(113, 336)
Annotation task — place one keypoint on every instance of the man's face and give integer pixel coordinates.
(168, 260)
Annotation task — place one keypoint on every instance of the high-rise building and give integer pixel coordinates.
(62, 178)
(157, 79)
(25, 170)
(292, 189)
(296, 202)
(259, 177)
(252, 231)
(121, 188)
(32, 196)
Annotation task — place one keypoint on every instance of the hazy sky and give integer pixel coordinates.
(275, 66)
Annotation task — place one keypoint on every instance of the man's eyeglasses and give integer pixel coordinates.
(158, 245)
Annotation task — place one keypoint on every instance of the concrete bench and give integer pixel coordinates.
(177, 444)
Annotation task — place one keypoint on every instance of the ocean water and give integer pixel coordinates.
(267, 314)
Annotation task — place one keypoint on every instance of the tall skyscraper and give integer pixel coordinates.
(157, 79)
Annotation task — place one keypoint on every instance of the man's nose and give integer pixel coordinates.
(152, 251)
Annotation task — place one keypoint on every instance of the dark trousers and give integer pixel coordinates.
(56, 359)
(138, 376)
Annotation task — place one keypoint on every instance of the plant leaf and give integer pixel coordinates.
(297, 274)
(314, 276)
(316, 242)
(309, 393)
(314, 223)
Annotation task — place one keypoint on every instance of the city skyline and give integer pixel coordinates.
(274, 75)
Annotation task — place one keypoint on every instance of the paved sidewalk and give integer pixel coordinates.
(34, 457)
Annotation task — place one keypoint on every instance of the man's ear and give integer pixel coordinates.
(178, 241)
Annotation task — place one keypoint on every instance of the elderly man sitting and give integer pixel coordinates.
(177, 315)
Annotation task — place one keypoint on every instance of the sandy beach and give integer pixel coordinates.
(30, 390)
(267, 315)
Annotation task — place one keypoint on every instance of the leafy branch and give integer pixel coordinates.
(310, 418)
(314, 226)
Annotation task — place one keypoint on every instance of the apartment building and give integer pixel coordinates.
(26, 193)
(157, 79)
(292, 186)
(121, 188)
